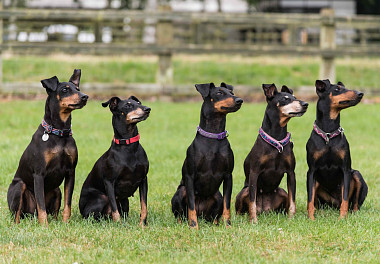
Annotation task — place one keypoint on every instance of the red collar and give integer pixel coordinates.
(122, 141)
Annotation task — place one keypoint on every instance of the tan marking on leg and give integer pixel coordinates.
(343, 207)
(292, 204)
(116, 216)
(358, 186)
(193, 222)
(310, 205)
(66, 209)
(143, 213)
(17, 218)
(42, 216)
(252, 212)
(229, 102)
(226, 214)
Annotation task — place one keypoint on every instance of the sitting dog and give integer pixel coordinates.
(271, 156)
(50, 157)
(209, 160)
(330, 178)
(122, 169)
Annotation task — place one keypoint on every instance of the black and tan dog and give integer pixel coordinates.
(51, 156)
(330, 178)
(271, 157)
(209, 160)
(121, 169)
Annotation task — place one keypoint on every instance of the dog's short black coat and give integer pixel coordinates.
(265, 166)
(330, 178)
(122, 169)
(209, 162)
(45, 164)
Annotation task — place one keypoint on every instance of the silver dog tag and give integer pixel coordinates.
(45, 137)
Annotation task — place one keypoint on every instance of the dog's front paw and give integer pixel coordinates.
(66, 215)
(116, 216)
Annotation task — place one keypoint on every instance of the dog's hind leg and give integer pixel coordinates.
(94, 203)
(178, 202)
(53, 202)
(360, 190)
(242, 200)
(15, 198)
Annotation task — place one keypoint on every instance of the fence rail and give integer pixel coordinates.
(164, 33)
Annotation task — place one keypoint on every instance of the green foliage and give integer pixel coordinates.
(165, 137)
(294, 72)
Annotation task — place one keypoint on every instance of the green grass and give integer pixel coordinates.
(294, 72)
(165, 137)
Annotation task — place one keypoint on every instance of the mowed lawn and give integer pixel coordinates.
(165, 137)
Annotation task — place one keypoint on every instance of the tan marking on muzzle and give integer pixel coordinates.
(293, 107)
(335, 107)
(65, 103)
(229, 102)
(132, 117)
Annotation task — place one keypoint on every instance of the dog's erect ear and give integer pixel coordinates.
(112, 102)
(50, 84)
(285, 89)
(340, 83)
(322, 85)
(75, 78)
(134, 98)
(269, 90)
(204, 89)
(229, 87)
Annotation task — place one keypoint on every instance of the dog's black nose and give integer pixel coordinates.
(360, 94)
(84, 97)
(147, 110)
(238, 100)
(304, 104)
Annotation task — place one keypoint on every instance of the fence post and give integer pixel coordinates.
(327, 45)
(164, 31)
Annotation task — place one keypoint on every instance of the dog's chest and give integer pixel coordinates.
(130, 175)
(58, 153)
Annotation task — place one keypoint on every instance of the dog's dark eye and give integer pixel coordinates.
(139, 103)
(337, 89)
(219, 93)
(64, 90)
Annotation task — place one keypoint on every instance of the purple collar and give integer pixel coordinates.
(219, 136)
(279, 145)
(51, 130)
(327, 136)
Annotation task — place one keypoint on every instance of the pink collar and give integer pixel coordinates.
(279, 145)
(327, 136)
